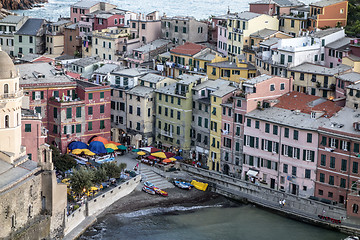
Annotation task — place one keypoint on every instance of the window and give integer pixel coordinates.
(343, 165)
(309, 138)
(296, 135)
(257, 125)
(90, 110)
(293, 171)
(55, 112)
(78, 128)
(332, 162)
(307, 173)
(275, 130)
(102, 94)
(286, 133)
(130, 109)
(102, 124)
(355, 167)
(68, 113)
(323, 160)
(248, 122)
(199, 121)
(102, 108)
(267, 127)
(342, 182)
(78, 112)
(206, 123)
(322, 177)
(90, 126)
(138, 110)
(285, 168)
(138, 126)
(356, 147)
(272, 87)
(184, 29)
(27, 127)
(331, 180)
(55, 129)
(176, 28)
(178, 115)
(178, 130)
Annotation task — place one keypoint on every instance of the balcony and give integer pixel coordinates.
(167, 133)
(11, 95)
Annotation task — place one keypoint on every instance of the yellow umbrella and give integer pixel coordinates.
(93, 189)
(159, 155)
(112, 146)
(172, 159)
(77, 151)
(141, 153)
(88, 152)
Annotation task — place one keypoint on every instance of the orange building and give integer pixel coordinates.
(328, 13)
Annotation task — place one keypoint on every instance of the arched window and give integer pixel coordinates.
(7, 121)
(6, 88)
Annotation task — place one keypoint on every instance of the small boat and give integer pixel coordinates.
(199, 185)
(148, 190)
(156, 189)
(182, 185)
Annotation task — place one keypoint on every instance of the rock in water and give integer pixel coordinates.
(19, 4)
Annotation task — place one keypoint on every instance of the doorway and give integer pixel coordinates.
(272, 183)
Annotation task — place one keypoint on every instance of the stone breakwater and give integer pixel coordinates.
(19, 4)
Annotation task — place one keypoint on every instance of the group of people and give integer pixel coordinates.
(282, 203)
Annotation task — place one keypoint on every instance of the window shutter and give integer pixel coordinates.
(270, 146)
(298, 153)
(33, 95)
(337, 143)
(312, 156)
(329, 142)
(282, 149)
(348, 146)
(304, 154)
(277, 147)
(257, 142)
(262, 144)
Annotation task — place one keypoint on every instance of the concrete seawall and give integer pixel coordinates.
(296, 207)
(78, 221)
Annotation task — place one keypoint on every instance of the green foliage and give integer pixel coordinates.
(100, 175)
(353, 23)
(112, 170)
(81, 179)
(62, 162)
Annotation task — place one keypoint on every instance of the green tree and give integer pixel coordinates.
(100, 175)
(81, 179)
(62, 162)
(112, 170)
(353, 19)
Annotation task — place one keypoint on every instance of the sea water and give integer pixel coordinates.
(200, 9)
(214, 222)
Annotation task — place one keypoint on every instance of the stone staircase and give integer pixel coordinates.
(156, 179)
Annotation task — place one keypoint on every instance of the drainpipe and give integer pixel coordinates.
(279, 153)
(348, 176)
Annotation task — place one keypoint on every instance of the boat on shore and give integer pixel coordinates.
(199, 185)
(182, 185)
(156, 189)
(148, 190)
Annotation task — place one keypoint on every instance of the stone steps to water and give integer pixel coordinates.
(156, 179)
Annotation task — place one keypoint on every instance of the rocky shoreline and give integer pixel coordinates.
(19, 4)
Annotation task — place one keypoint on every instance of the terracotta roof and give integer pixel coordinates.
(307, 103)
(188, 49)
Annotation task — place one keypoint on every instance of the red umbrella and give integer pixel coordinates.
(151, 157)
(153, 150)
(169, 154)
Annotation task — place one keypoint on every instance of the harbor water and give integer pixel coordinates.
(200, 9)
(214, 222)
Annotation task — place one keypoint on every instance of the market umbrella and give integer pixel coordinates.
(166, 161)
(162, 154)
(100, 139)
(109, 150)
(88, 152)
(179, 158)
(122, 147)
(112, 146)
(141, 153)
(151, 157)
(135, 150)
(172, 159)
(77, 145)
(77, 151)
(97, 147)
(94, 188)
(117, 144)
(150, 149)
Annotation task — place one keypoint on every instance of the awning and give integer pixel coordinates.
(252, 173)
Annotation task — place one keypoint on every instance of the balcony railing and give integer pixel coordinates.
(11, 95)
(166, 133)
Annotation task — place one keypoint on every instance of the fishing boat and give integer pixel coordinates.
(199, 185)
(352, 238)
(148, 190)
(156, 189)
(182, 185)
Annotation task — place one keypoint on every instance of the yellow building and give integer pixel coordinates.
(315, 79)
(231, 71)
(191, 58)
(352, 61)
(242, 25)
(216, 99)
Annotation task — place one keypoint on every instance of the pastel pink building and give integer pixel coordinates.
(87, 6)
(335, 51)
(280, 142)
(146, 27)
(343, 81)
(222, 38)
(33, 135)
(256, 93)
(107, 19)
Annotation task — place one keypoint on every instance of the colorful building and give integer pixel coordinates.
(81, 8)
(280, 142)
(174, 114)
(328, 13)
(274, 7)
(8, 26)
